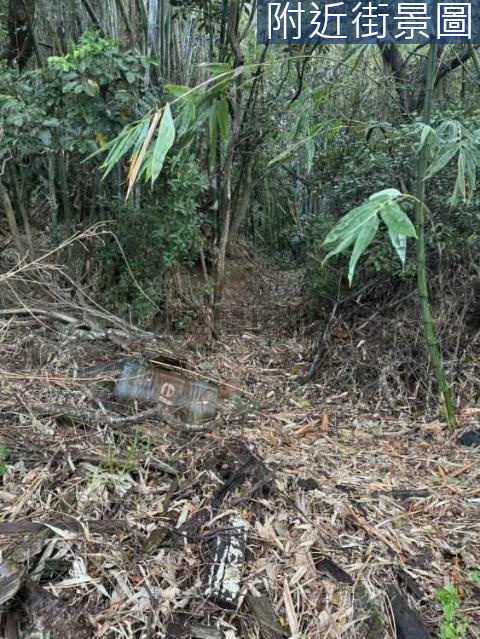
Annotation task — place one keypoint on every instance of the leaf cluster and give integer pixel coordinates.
(360, 225)
(74, 102)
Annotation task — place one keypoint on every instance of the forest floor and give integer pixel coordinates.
(354, 519)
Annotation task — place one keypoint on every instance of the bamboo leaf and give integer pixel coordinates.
(178, 90)
(165, 140)
(441, 161)
(138, 156)
(427, 132)
(350, 223)
(460, 184)
(364, 239)
(297, 145)
(344, 244)
(120, 147)
(309, 155)
(396, 220)
(399, 243)
(185, 119)
(216, 68)
(386, 194)
(470, 172)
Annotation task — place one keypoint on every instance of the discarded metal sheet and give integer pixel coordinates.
(227, 552)
(196, 399)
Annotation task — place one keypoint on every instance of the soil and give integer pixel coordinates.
(355, 518)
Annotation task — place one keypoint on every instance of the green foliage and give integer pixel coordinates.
(154, 237)
(149, 140)
(453, 140)
(360, 225)
(74, 103)
(451, 627)
(356, 166)
(4, 457)
(475, 577)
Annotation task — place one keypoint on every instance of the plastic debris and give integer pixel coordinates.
(197, 400)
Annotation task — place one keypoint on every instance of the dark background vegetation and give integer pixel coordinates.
(311, 132)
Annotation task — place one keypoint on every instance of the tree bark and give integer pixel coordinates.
(243, 203)
(405, 79)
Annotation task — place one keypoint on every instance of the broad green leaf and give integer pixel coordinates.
(46, 137)
(441, 161)
(178, 90)
(397, 220)
(216, 68)
(344, 244)
(165, 140)
(350, 223)
(120, 147)
(91, 88)
(427, 132)
(222, 119)
(399, 243)
(461, 176)
(364, 239)
(389, 194)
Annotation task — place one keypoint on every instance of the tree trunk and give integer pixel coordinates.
(243, 203)
(225, 216)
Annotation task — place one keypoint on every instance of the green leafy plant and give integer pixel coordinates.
(475, 577)
(451, 627)
(74, 102)
(5, 454)
(360, 226)
(437, 148)
(149, 140)
(161, 233)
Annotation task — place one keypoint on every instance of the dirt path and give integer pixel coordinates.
(342, 507)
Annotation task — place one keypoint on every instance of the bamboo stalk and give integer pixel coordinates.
(21, 207)
(63, 180)
(422, 275)
(126, 20)
(10, 214)
(53, 197)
